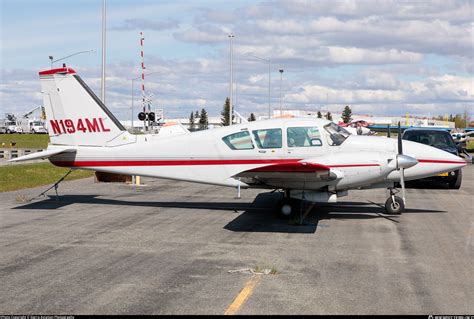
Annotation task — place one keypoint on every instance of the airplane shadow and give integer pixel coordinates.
(257, 216)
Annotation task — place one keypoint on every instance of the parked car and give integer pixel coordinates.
(440, 139)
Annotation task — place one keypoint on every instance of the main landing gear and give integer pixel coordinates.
(394, 204)
(286, 207)
(291, 209)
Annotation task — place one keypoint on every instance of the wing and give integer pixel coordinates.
(290, 175)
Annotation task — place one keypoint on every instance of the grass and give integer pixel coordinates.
(261, 269)
(39, 141)
(14, 177)
(470, 145)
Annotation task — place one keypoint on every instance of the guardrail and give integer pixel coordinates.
(10, 153)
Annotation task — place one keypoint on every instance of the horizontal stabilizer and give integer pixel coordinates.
(42, 155)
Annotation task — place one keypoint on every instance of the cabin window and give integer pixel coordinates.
(239, 141)
(303, 137)
(268, 138)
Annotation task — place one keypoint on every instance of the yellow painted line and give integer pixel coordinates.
(243, 295)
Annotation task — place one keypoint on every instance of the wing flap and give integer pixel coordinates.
(291, 170)
(292, 167)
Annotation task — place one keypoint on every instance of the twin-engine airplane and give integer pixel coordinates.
(311, 159)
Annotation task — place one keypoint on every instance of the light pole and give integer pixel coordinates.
(269, 81)
(281, 80)
(57, 60)
(231, 36)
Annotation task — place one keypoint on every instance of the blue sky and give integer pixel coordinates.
(380, 57)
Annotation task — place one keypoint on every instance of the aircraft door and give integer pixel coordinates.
(269, 143)
(304, 142)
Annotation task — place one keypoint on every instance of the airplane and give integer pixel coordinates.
(357, 127)
(313, 160)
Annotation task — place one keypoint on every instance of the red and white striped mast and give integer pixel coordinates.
(143, 80)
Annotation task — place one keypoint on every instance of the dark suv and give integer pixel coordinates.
(440, 139)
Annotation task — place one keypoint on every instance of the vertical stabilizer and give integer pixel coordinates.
(74, 114)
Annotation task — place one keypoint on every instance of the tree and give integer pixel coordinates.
(251, 117)
(203, 120)
(191, 122)
(196, 115)
(225, 113)
(346, 114)
(320, 116)
(458, 121)
(328, 116)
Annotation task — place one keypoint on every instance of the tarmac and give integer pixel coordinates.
(167, 248)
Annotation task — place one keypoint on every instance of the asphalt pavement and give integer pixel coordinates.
(167, 248)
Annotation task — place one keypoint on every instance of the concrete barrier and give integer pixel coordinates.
(10, 153)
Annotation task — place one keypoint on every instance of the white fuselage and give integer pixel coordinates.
(203, 157)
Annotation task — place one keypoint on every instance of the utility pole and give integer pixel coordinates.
(102, 93)
(281, 80)
(142, 54)
(231, 79)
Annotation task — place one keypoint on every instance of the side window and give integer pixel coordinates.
(303, 137)
(239, 141)
(268, 138)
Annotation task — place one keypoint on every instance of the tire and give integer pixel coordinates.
(394, 207)
(456, 184)
(286, 208)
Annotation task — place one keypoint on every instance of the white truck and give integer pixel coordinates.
(12, 127)
(33, 126)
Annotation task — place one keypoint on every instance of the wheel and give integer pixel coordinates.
(394, 207)
(456, 184)
(285, 208)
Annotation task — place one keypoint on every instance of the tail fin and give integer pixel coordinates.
(75, 115)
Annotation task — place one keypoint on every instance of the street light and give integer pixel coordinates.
(133, 92)
(231, 36)
(281, 79)
(51, 57)
(269, 81)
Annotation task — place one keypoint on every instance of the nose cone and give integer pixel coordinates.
(431, 161)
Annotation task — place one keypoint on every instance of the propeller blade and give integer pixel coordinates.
(400, 148)
(388, 131)
(402, 183)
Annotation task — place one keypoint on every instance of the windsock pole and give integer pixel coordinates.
(143, 80)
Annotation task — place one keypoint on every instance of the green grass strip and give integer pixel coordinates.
(39, 141)
(14, 177)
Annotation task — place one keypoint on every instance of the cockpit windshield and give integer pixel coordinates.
(338, 134)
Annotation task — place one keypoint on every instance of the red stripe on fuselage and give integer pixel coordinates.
(189, 162)
(353, 165)
(440, 161)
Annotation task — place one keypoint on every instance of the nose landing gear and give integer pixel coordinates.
(394, 204)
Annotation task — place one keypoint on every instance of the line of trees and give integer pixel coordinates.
(198, 121)
(327, 116)
(460, 121)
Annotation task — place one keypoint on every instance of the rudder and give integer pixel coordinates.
(74, 114)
